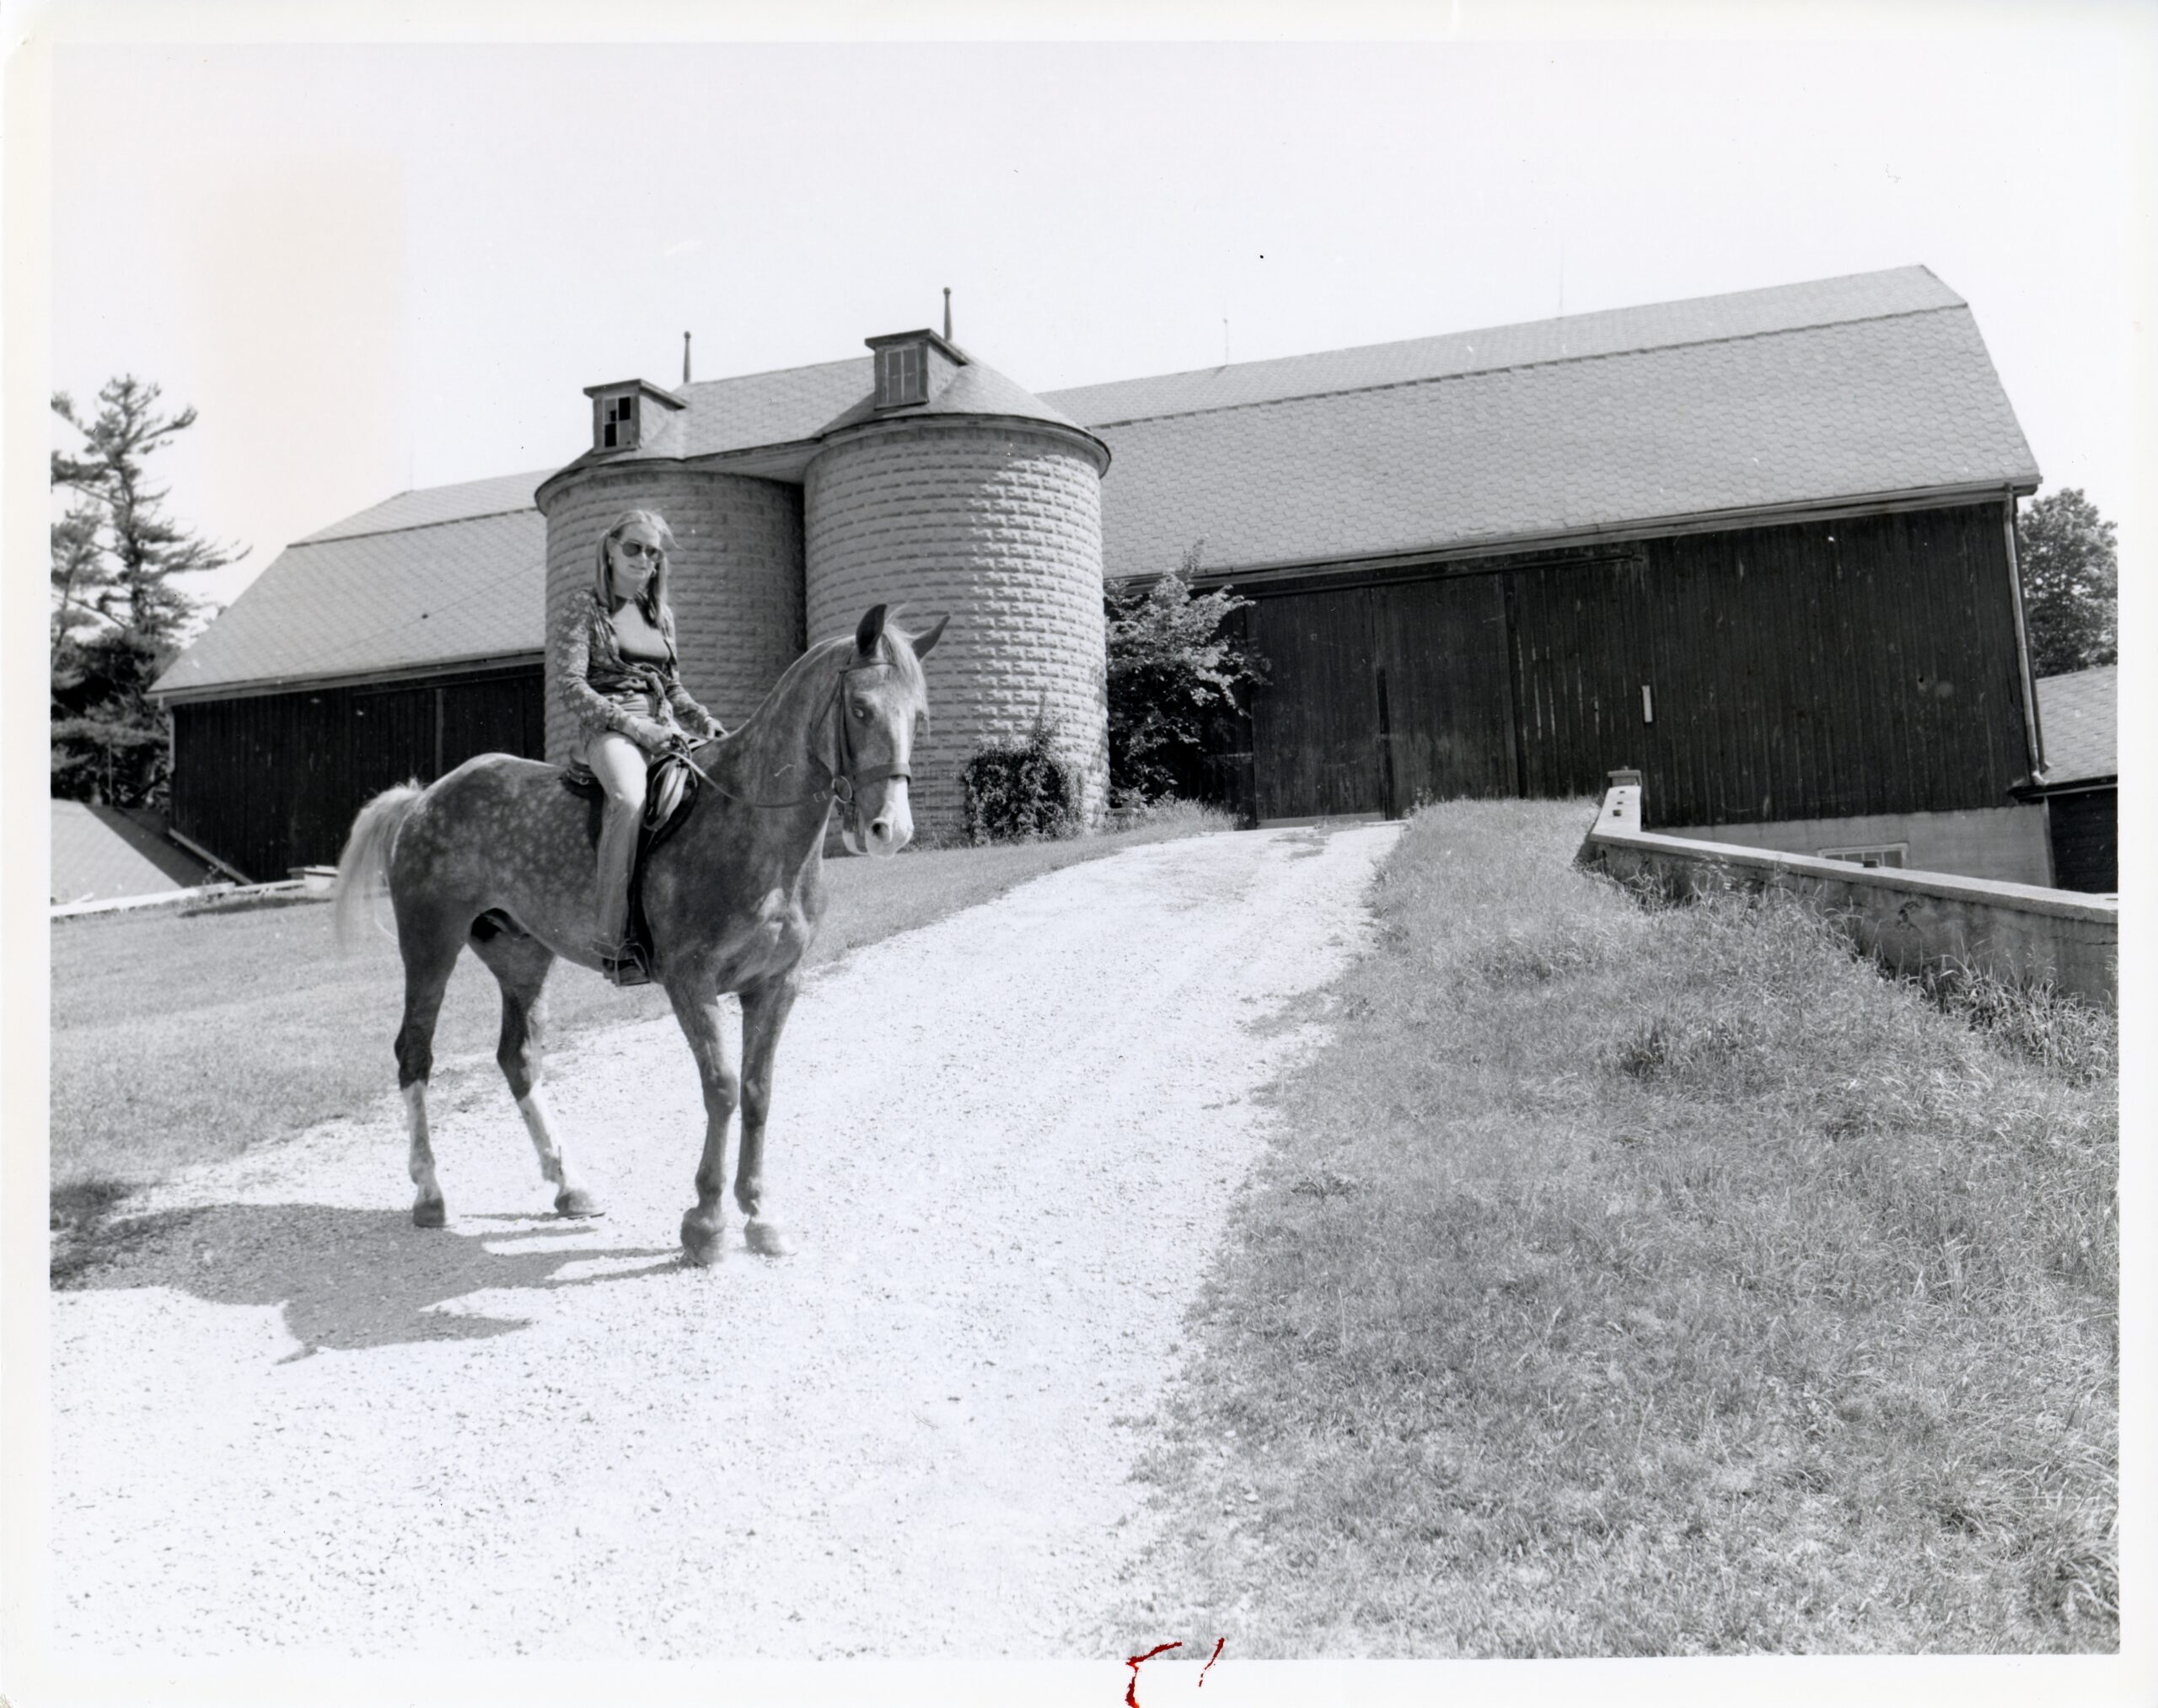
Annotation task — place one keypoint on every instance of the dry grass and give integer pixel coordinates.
(186, 1037)
(1649, 1281)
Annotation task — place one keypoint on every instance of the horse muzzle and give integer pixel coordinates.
(881, 822)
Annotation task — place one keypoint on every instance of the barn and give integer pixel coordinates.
(1759, 547)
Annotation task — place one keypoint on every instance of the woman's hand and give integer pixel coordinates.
(653, 737)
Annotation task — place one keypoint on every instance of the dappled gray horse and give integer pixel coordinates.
(497, 857)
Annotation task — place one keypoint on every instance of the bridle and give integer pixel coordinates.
(843, 779)
(847, 776)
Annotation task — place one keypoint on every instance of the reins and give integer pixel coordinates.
(845, 779)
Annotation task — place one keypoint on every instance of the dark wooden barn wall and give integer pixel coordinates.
(1812, 670)
(2085, 831)
(272, 782)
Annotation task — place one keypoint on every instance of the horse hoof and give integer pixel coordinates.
(702, 1245)
(767, 1238)
(576, 1201)
(430, 1212)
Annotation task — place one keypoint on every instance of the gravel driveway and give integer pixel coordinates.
(1006, 1144)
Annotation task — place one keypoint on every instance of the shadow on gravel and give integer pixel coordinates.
(347, 1278)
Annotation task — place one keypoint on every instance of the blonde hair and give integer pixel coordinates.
(652, 600)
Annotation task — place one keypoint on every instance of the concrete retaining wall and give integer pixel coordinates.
(2005, 844)
(1906, 918)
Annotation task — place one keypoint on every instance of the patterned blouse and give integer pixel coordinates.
(604, 690)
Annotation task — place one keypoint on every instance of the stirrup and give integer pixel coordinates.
(628, 968)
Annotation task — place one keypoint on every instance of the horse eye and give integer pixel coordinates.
(861, 713)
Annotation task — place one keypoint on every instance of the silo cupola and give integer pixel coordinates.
(912, 366)
(630, 415)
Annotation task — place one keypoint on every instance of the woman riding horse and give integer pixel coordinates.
(497, 857)
(614, 669)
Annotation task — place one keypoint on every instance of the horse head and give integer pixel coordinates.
(879, 703)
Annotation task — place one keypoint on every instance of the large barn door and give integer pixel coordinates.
(1584, 643)
(1447, 690)
(1315, 725)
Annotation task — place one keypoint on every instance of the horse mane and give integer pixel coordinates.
(894, 647)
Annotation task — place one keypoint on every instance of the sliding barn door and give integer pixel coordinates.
(1445, 679)
(1378, 698)
(1315, 724)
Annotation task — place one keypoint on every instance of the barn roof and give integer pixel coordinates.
(1851, 391)
(1719, 410)
(2080, 714)
(355, 602)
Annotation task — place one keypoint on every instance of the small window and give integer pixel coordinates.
(1896, 854)
(618, 423)
(902, 376)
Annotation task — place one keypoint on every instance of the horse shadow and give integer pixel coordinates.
(348, 1280)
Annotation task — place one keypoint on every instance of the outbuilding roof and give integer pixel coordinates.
(1718, 410)
(99, 853)
(2080, 714)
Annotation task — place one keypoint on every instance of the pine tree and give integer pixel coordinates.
(2070, 584)
(117, 616)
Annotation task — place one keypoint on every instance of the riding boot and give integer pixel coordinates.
(618, 842)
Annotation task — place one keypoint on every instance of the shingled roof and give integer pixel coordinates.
(346, 603)
(1848, 391)
(102, 852)
(1719, 410)
(2080, 713)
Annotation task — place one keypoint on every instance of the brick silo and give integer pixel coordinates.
(952, 490)
(736, 578)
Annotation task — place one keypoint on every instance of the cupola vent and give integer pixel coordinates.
(631, 413)
(910, 367)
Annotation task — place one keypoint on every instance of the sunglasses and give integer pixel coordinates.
(637, 548)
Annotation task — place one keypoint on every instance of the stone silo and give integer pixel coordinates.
(736, 578)
(952, 490)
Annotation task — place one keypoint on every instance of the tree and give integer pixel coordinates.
(117, 616)
(1171, 670)
(2070, 584)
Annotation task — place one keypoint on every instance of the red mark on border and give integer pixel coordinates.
(1210, 1659)
(1131, 1690)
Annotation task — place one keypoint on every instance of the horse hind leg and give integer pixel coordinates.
(430, 956)
(520, 965)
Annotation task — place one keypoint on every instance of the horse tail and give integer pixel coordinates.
(362, 869)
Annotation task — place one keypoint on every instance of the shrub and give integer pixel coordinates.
(1019, 793)
(1171, 672)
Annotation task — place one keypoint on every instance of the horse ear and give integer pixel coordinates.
(871, 632)
(929, 636)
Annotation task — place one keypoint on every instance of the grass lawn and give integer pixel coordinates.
(1629, 1281)
(180, 1037)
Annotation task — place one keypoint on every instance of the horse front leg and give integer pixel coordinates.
(694, 993)
(765, 1009)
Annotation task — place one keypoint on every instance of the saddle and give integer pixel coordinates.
(670, 790)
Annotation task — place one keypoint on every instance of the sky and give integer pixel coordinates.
(375, 268)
